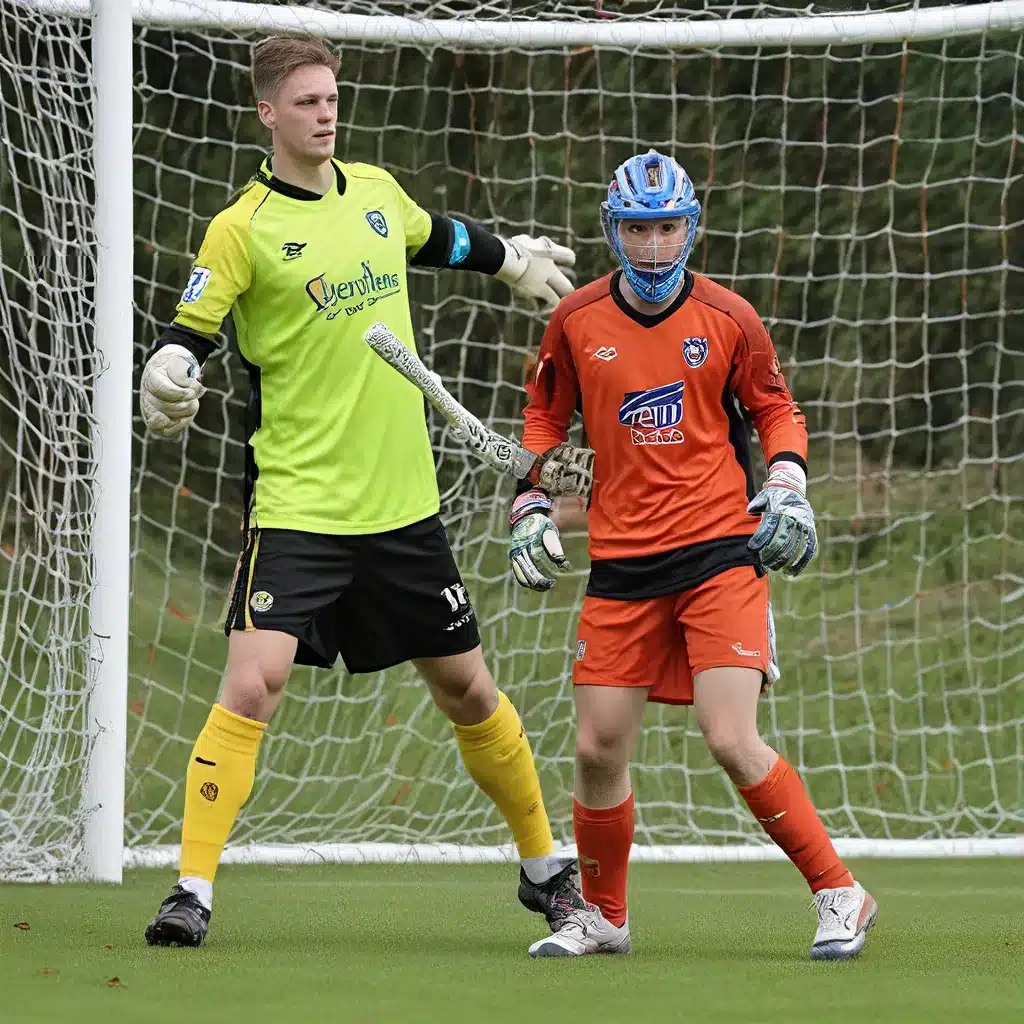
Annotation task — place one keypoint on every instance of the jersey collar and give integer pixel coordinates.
(647, 319)
(265, 176)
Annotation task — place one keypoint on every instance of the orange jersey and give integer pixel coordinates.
(672, 466)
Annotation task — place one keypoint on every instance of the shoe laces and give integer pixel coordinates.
(577, 922)
(185, 899)
(565, 895)
(835, 902)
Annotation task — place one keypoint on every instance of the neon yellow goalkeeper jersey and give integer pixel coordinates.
(340, 441)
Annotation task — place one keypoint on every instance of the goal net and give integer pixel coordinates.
(861, 179)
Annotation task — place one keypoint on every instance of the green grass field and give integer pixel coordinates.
(448, 944)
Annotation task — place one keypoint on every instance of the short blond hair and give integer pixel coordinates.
(276, 57)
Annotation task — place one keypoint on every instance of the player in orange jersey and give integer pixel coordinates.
(677, 609)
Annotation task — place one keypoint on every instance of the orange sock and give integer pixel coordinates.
(603, 840)
(781, 804)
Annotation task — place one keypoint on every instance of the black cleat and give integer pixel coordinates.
(556, 898)
(181, 921)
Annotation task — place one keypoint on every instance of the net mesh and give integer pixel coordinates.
(866, 199)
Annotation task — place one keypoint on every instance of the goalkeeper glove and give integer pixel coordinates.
(786, 538)
(533, 269)
(170, 390)
(534, 547)
(564, 469)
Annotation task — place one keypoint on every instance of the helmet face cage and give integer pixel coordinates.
(650, 187)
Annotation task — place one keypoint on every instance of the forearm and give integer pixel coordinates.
(783, 434)
(461, 243)
(541, 432)
(533, 268)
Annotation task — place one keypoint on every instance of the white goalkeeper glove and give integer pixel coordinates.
(170, 390)
(533, 269)
(786, 538)
(534, 547)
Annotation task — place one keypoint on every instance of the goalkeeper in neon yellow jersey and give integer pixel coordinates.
(344, 552)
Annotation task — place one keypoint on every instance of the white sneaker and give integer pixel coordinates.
(584, 931)
(845, 917)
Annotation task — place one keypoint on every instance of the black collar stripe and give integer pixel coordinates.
(648, 319)
(294, 191)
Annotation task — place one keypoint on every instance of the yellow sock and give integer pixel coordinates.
(497, 755)
(219, 780)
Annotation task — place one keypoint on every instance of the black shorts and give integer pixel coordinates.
(377, 599)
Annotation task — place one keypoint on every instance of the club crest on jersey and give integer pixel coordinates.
(376, 221)
(653, 416)
(695, 351)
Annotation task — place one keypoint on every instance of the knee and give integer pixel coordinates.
(248, 685)
(732, 747)
(461, 686)
(601, 748)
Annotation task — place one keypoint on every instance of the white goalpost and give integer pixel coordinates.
(861, 177)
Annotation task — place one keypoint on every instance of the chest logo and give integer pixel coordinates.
(351, 296)
(653, 416)
(292, 250)
(605, 353)
(695, 351)
(376, 221)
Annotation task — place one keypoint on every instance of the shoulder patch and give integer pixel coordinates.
(197, 282)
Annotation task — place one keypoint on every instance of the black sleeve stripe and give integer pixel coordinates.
(486, 252)
(434, 251)
(788, 457)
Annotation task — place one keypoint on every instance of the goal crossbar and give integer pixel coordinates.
(459, 33)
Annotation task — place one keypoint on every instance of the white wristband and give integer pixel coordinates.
(788, 474)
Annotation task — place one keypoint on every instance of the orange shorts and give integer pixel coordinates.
(663, 642)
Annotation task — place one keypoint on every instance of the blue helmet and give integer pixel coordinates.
(650, 187)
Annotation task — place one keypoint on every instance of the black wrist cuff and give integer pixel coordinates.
(198, 344)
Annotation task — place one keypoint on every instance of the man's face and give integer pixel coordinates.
(653, 244)
(304, 113)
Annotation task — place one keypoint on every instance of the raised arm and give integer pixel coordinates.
(532, 267)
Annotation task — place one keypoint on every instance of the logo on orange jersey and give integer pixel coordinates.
(739, 649)
(605, 353)
(695, 351)
(653, 416)
(776, 380)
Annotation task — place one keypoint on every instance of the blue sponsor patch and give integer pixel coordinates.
(653, 416)
(376, 221)
(197, 282)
